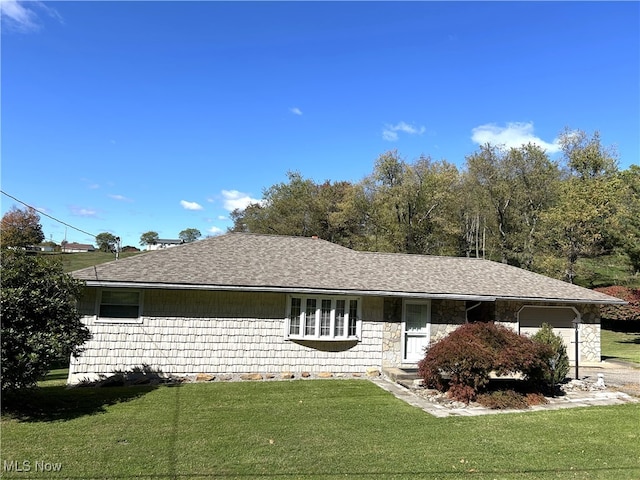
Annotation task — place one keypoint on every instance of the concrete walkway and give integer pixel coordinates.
(622, 382)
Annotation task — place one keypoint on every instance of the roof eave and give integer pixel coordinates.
(564, 300)
(286, 289)
(337, 291)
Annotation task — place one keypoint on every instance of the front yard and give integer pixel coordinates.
(620, 346)
(320, 429)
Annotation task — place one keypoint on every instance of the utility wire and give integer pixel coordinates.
(46, 215)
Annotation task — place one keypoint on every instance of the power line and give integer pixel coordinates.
(45, 214)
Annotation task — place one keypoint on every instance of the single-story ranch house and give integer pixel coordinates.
(247, 303)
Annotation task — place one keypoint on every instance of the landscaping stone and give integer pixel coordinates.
(325, 375)
(373, 372)
(251, 376)
(286, 375)
(204, 377)
(574, 393)
(305, 375)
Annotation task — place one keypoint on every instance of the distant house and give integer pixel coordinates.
(243, 303)
(45, 248)
(161, 243)
(74, 247)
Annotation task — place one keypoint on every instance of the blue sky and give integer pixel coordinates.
(126, 117)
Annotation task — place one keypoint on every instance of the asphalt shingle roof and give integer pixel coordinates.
(270, 262)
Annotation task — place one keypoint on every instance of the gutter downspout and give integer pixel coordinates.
(467, 310)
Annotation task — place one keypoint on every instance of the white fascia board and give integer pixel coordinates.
(563, 300)
(317, 291)
(324, 291)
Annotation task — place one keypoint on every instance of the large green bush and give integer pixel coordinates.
(462, 362)
(40, 321)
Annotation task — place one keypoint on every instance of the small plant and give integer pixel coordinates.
(557, 358)
(503, 399)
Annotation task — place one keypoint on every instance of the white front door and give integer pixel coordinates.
(415, 330)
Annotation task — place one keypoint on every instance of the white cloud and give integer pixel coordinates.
(223, 217)
(120, 198)
(18, 16)
(215, 231)
(390, 132)
(389, 135)
(234, 199)
(513, 135)
(295, 111)
(83, 212)
(190, 205)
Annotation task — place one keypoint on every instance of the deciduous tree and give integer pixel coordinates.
(149, 238)
(189, 235)
(410, 204)
(300, 207)
(581, 222)
(629, 234)
(20, 228)
(106, 242)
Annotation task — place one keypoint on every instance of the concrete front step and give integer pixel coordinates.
(398, 374)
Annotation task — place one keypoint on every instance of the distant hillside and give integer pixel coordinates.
(605, 271)
(76, 261)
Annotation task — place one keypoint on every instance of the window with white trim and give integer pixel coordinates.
(120, 306)
(323, 317)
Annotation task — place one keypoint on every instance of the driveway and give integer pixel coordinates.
(618, 375)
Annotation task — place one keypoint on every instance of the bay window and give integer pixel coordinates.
(323, 318)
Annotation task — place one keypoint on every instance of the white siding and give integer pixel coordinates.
(190, 332)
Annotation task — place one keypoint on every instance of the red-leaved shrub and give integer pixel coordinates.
(630, 311)
(462, 362)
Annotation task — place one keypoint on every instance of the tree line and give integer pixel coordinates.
(108, 242)
(514, 205)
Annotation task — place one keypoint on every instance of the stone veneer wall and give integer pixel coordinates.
(392, 332)
(187, 332)
(589, 331)
(447, 315)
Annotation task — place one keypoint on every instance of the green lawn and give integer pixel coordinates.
(620, 345)
(320, 429)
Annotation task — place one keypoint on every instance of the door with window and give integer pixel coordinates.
(416, 330)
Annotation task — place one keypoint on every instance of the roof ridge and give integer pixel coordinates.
(424, 255)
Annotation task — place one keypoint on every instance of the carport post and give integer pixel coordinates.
(576, 324)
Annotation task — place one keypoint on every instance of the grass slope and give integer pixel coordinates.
(76, 261)
(307, 429)
(606, 270)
